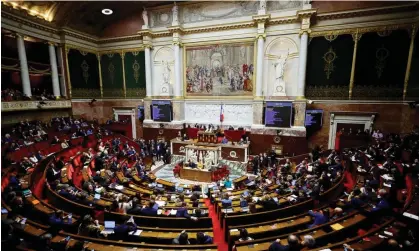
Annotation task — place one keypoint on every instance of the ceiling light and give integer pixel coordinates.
(107, 12)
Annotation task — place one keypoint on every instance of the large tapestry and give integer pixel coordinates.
(220, 70)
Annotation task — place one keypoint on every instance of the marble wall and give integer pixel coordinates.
(235, 113)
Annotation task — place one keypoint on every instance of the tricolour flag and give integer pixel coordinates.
(222, 114)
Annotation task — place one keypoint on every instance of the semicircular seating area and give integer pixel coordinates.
(99, 192)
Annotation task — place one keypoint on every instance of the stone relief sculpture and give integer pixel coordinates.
(282, 5)
(175, 13)
(145, 18)
(262, 7)
(209, 10)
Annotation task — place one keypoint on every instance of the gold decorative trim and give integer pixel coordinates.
(413, 34)
(85, 68)
(100, 74)
(356, 37)
(284, 20)
(381, 54)
(67, 50)
(329, 57)
(136, 68)
(123, 74)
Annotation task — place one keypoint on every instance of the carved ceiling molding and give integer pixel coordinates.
(23, 18)
(368, 12)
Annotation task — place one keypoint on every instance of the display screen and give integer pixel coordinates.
(141, 112)
(278, 114)
(314, 118)
(162, 110)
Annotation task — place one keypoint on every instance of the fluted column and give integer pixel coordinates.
(259, 66)
(24, 71)
(54, 71)
(302, 66)
(178, 85)
(147, 52)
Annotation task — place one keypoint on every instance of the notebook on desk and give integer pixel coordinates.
(109, 227)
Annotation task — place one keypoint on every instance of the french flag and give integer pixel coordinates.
(222, 114)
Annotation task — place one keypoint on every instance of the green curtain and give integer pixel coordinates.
(135, 74)
(112, 76)
(329, 63)
(413, 87)
(381, 65)
(84, 74)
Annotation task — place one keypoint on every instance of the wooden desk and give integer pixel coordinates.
(195, 174)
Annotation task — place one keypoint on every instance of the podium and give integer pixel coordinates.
(207, 137)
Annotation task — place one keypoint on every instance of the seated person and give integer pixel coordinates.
(227, 182)
(320, 217)
(293, 244)
(89, 227)
(224, 140)
(226, 201)
(121, 231)
(149, 210)
(202, 238)
(182, 239)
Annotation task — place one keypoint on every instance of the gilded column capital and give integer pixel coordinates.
(122, 53)
(356, 36)
(414, 31)
(180, 44)
(149, 46)
(98, 55)
(308, 31)
(261, 35)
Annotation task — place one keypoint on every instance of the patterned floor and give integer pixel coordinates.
(165, 172)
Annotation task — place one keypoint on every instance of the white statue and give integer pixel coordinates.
(279, 67)
(166, 72)
(145, 18)
(175, 11)
(262, 7)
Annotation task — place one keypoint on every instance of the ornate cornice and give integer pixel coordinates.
(360, 30)
(30, 21)
(175, 29)
(284, 20)
(301, 14)
(261, 18)
(219, 28)
(368, 12)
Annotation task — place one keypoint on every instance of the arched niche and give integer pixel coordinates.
(281, 67)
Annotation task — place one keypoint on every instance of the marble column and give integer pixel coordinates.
(259, 65)
(147, 51)
(178, 85)
(54, 71)
(302, 66)
(24, 71)
(60, 58)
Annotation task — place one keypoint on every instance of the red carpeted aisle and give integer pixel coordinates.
(218, 232)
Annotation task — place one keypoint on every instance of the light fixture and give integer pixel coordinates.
(107, 12)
